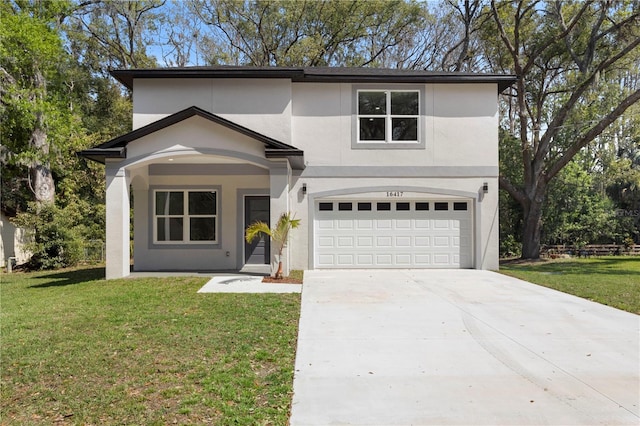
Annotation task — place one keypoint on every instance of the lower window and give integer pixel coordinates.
(185, 216)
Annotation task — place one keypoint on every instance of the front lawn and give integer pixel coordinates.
(77, 349)
(612, 280)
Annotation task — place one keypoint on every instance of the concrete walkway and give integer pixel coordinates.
(460, 347)
(246, 284)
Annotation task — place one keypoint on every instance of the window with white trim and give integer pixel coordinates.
(388, 116)
(187, 217)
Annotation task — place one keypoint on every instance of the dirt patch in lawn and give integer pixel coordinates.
(519, 261)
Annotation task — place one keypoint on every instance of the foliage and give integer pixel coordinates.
(575, 213)
(576, 99)
(510, 246)
(35, 122)
(613, 281)
(46, 95)
(53, 105)
(279, 234)
(55, 243)
(142, 351)
(115, 34)
(561, 103)
(305, 32)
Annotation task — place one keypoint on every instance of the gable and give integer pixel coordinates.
(117, 148)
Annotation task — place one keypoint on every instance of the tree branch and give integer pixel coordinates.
(579, 90)
(592, 134)
(515, 192)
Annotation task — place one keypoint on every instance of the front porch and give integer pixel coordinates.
(191, 177)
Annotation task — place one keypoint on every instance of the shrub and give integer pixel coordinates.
(54, 244)
(510, 247)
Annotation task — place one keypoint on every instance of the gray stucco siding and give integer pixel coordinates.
(224, 254)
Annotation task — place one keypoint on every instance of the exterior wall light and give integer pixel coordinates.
(304, 189)
(485, 187)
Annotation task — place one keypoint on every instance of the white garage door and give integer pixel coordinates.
(396, 234)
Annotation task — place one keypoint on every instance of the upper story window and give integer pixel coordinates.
(185, 217)
(388, 116)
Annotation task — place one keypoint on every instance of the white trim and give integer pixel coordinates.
(428, 256)
(186, 241)
(399, 171)
(388, 117)
(430, 195)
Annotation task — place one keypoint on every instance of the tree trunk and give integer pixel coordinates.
(42, 183)
(40, 175)
(531, 231)
(279, 271)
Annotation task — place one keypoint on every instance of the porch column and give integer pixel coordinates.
(117, 222)
(279, 177)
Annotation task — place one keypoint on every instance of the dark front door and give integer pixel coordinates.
(258, 252)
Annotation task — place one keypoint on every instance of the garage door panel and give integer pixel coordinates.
(345, 260)
(345, 224)
(442, 224)
(384, 259)
(345, 242)
(403, 224)
(442, 259)
(422, 242)
(365, 259)
(325, 224)
(365, 242)
(414, 238)
(326, 260)
(364, 224)
(326, 242)
(384, 241)
(403, 241)
(383, 224)
(441, 241)
(422, 224)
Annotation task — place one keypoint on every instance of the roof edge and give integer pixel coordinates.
(116, 148)
(315, 75)
(100, 155)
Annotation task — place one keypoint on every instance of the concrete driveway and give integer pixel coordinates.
(460, 347)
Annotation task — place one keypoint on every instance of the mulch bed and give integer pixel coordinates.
(284, 280)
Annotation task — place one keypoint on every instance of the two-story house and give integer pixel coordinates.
(386, 168)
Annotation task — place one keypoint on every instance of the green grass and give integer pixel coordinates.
(77, 349)
(613, 281)
(296, 274)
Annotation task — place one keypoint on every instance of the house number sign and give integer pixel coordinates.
(395, 194)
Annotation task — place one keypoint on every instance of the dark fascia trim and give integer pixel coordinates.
(279, 153)
(116, 148)
(188, 113)
(356, 75)
(317, 75)
(126, 76)
(295, 156)
(100, 155)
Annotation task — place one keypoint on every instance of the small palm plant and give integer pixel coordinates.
(279, 235)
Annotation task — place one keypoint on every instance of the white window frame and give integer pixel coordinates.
(388, 117)
(186, 217)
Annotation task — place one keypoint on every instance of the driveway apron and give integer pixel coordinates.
(460, 347)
